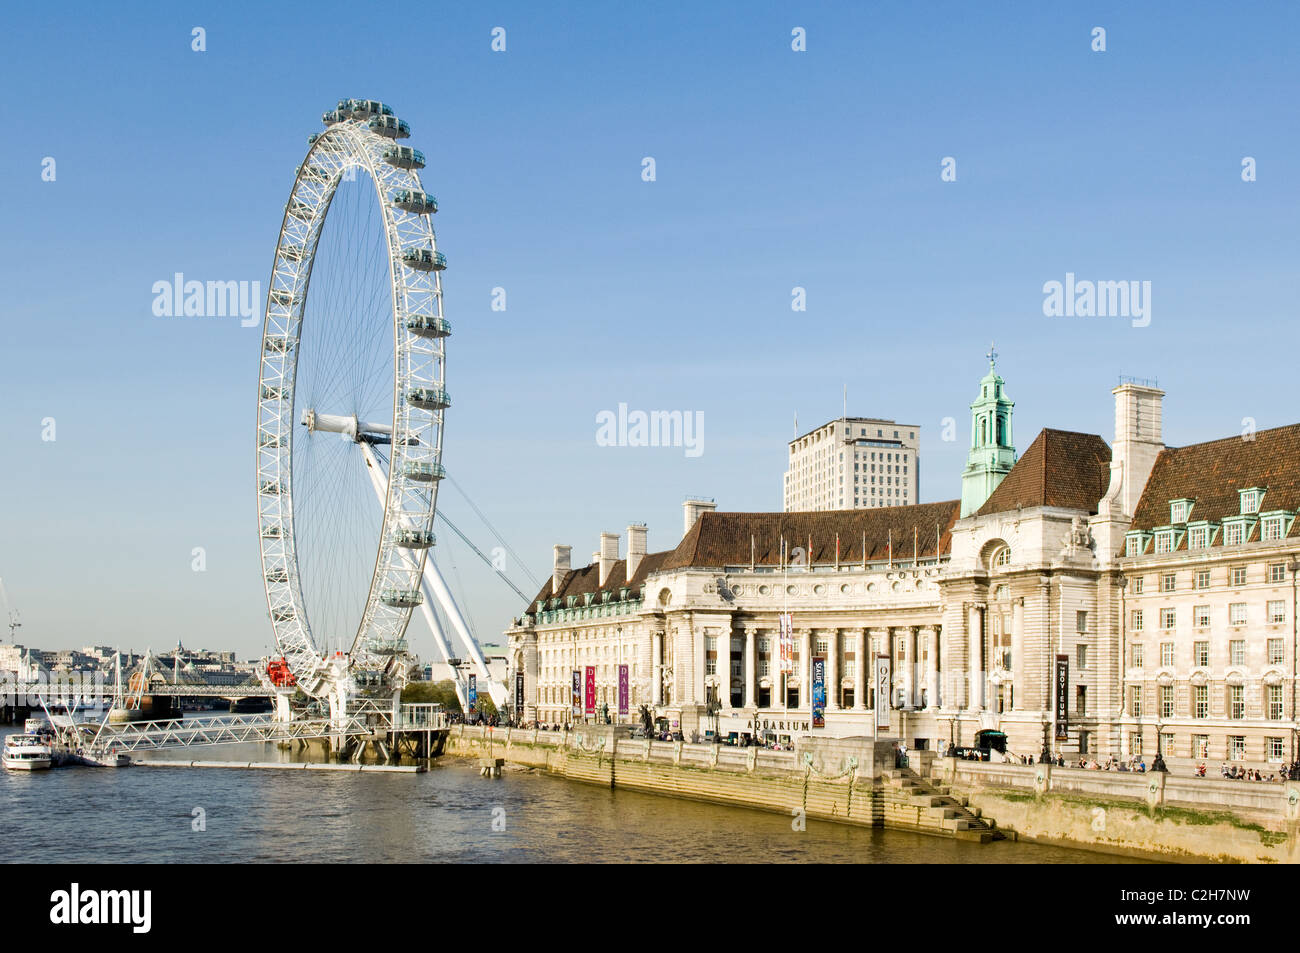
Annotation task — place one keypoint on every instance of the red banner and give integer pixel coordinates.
(591, 690)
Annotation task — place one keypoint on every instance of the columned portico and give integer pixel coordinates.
(974, 631)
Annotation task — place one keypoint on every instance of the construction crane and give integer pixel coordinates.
(14, 623)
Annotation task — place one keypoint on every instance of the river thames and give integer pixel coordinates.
(448, 814)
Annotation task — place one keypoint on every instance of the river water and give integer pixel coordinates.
(448, 814)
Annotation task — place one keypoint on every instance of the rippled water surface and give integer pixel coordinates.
(143, 814)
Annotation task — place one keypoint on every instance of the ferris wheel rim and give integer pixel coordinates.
(418, 388)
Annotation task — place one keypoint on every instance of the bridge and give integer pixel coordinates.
(60, 692)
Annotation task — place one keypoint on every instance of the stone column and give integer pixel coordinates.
(909, 666)
(751, 667)
(931, 636)
(882, 637)
(833, 672)
(805, 668)
(976, 699)
(698, 641)
(657, 668)
(862, 669)
(1017, 653)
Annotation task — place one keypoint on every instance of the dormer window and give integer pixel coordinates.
(1135, 544)
(1179, 510)
(1275, 526)
(1165, 541)
(1250, 500)
(1234, 533)
(1200, 536)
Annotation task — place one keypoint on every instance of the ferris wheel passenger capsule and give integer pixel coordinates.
(390, 127)
(418, 203)
(271, 531)
(284, 299)
(404, 157)
(414, 538)
(424, 259)
(333, 116)
(428, 326)
(303, 211)
(428, 398)
(271, 392)
(364, 108)
(424, 472)
(277, 575)
(277, 345)
(401, 598)
(282, 615)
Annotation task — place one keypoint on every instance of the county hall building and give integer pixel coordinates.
(1108, 599)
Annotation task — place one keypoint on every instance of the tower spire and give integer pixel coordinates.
(992, 452)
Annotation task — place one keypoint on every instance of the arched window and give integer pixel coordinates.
(1002, 558)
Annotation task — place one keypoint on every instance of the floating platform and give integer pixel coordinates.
(287, 766)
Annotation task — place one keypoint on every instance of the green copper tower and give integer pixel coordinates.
(992, 454)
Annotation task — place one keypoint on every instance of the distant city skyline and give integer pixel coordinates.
(782, 179)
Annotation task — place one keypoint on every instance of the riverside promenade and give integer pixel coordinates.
(854, 781)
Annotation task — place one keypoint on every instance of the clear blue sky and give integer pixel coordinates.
(775, 169)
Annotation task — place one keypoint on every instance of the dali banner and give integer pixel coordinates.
(882, 692)
(819, 692)
(591, 690)
(622, 689)
(1062, 697)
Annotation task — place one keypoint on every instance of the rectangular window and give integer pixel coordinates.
(1178, 512)
(823, 647)
(1238, 575)
(1200, 654)
(1135, 700)
(1237, 652)
(1250, 501)
(1168, 582)
(1237, 613)
(1237, 747)
(1138, 585)
(1166, 745)
(1081, 622)
(1198, 537)
(1277, 572)
(1271, 528)
(1081, 656)
(1137, 656)
(1201, 701)
(1233, 534)
(1200, 746)
(1166, 618)
(1202, 579)
(1274, 702)
(1166, 701)
(1276, 654)
(1236, 702)
(1132, 547)
(1165, 541)
(1201, 617)
(1276, 610)
(1081, 701)
(1167, 654)
(1134, 744)
(1137, 620)
(1275, 749)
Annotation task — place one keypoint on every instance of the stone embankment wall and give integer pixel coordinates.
(843, 780)
(1152, 815)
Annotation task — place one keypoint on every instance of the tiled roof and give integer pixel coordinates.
(1212, 473)
(724, 539)
(1060, 468)
(579, 582)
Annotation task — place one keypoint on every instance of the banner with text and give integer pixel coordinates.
(577, 692)
(622, 690)
(882, 692)
(819, 693)
(590, 706)
(1062, 697)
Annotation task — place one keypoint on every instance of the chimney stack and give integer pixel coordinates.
(693, 507)
(560, 568)
(1138, 440)
(608, 555)
(635, 548)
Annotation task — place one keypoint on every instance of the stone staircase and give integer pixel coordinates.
(935, 808)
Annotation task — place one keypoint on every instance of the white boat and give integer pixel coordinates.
(27, 753)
